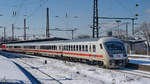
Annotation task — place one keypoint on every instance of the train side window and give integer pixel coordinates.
(90, 48)
(94, 48)
(50, 47)
(59, 47)
(10, 46)
(86, 48)
(56, 47)
(53, 47)
(66, 47)
(17, 46)
(74, 48)
(71, 48)
(82, 47)
(101, 46)
(79, 47)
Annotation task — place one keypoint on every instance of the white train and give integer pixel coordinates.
(107, 51)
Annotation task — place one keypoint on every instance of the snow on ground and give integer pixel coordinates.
(61, 72)
(9, 73)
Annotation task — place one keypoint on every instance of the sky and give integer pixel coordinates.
(35, 13)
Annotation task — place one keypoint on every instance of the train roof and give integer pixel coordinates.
(38, 40)
(104, 39)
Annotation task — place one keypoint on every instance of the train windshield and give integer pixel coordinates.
(115, 47)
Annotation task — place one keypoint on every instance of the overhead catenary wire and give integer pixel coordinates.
(42, 2)
(18, 11)
(126, 8)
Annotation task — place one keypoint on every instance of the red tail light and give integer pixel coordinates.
(3, 46)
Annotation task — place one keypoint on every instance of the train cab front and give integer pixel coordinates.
(116, 52)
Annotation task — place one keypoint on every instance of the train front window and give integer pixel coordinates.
(115, 47)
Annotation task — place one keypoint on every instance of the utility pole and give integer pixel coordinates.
(133, 27)
(25, 29)
(47, 24)
(127, 30)
(95, 20)
(72, 31)
(12, 31)
(4, 34)
(118, 23)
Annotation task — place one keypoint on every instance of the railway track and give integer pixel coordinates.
(122, 70)
(42, 72)
(134, 72)
(28, 74)
(31, 66)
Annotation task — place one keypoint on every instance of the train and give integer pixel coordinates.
(109, 52)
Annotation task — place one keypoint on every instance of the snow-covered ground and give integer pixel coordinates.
(9, 73)
(61, 72)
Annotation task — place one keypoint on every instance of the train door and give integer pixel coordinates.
(92, 51)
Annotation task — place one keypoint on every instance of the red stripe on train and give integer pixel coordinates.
(67, 53)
